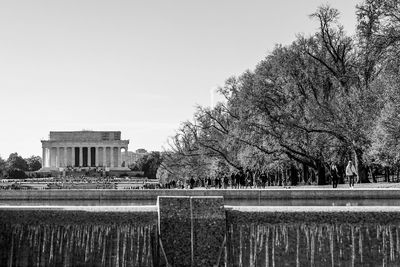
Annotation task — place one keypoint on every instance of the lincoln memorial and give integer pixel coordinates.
(84, 149)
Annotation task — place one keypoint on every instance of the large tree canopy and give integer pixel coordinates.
(16, 162)
(34, 163)
(325, 98)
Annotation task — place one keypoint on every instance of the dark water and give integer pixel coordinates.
(229, 202)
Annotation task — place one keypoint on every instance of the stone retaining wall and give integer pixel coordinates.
(152, 194)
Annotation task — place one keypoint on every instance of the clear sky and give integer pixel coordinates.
(140, 67)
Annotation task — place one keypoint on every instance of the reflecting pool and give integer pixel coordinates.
(229, 202)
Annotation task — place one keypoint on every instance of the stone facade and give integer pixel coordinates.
(84, 149)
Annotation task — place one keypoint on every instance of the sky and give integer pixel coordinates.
(139, 67)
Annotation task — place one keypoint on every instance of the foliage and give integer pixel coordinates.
(16, 174)
(34, 163)
(325, 98)
(2, 166)
(149, 164)
(16, 162)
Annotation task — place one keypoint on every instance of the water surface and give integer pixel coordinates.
(230, 202)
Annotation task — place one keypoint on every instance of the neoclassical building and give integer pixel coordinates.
(84, 149)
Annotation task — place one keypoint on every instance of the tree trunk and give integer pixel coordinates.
(387, 174)
(294, 180)
(312, 176)
(279, 176)
(284, 177)
(321, 173)
(305, 174)
(360, 167)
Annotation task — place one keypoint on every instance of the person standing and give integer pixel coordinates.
(350, 173)
(226, 181)
(209, 182)
(192, 182)
(334, 175)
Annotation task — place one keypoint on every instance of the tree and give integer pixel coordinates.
(16, 162)
(149, 164)
(34, 163)
(322, 99)
(2, 167)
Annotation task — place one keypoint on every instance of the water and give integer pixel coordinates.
(53, 237)
(347, 233)
(76, 245)
(229, 202)
(321, 244)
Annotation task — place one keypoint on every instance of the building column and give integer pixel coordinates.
(111, 157)
(96, 155)
(73, 156)
(105, 156)
(89, 156)
(52, 157)
(65, 157)
(119, 157)
(126, 157)
(80, 156)
(43, 157)
(57, 157)
(47, 163)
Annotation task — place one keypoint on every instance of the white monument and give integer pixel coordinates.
(84, 149)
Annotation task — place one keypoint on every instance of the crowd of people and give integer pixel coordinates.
(249, 178)
(235, 180)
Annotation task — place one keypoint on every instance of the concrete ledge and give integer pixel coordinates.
(136, 209)
(366, 215)
(321, 209)
(152, 194)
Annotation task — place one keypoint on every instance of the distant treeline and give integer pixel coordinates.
(16, 167)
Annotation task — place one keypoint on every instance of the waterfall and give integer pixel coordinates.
(297, 247)
(71, 245)
(331, 244)
(302, 244)
(266, 229)
(240, 247)
(360, 244)
(312, 245)
(251, 258)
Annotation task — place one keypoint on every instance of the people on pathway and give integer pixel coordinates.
(351, 173)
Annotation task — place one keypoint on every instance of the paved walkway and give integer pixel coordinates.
(311, 187)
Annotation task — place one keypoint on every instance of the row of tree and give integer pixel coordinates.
(16, 166)
(326, 98)
(148, 164)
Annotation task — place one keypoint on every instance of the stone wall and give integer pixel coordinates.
(192, 230)
(152, 194)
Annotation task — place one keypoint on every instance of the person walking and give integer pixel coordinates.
(350, 173)
(334, 175)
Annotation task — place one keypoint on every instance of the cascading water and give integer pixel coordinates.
(76, 245)
(40, 237)
(302, 244)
